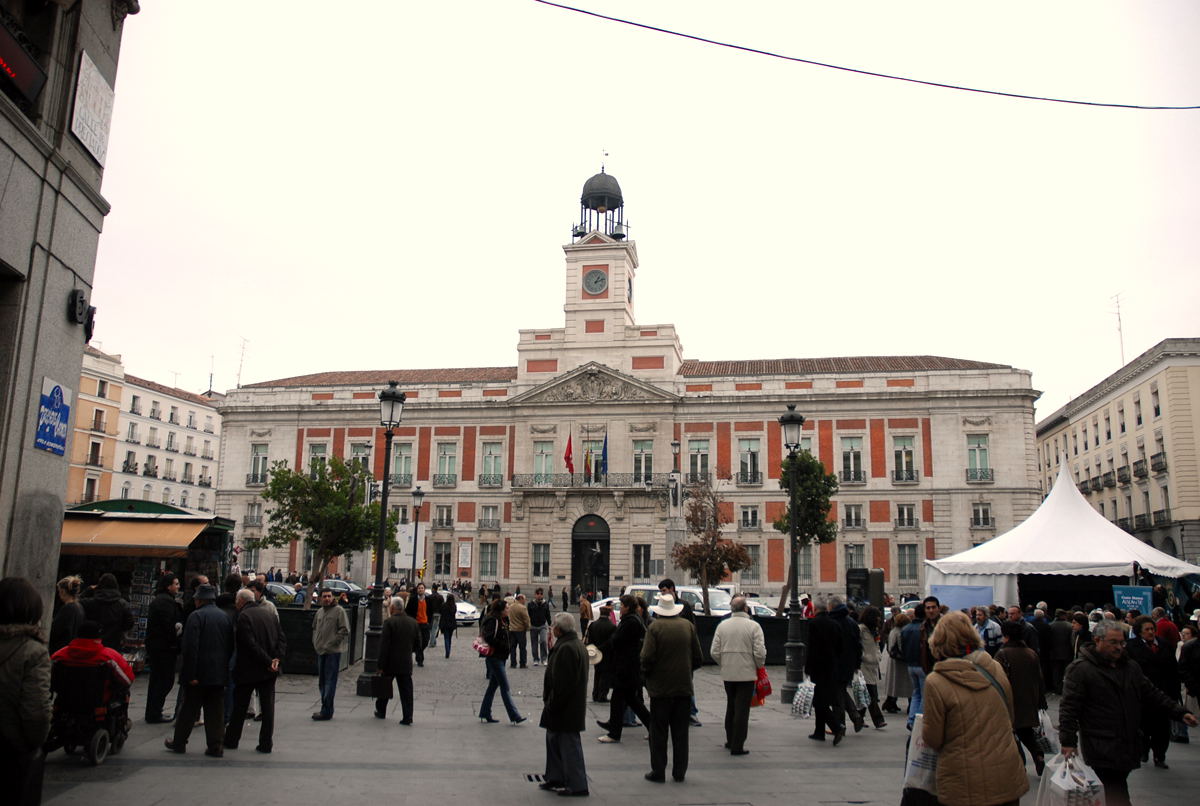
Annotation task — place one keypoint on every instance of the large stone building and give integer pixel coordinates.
(135, 438)
(59, 67)
(934, 454)
(1131, 442)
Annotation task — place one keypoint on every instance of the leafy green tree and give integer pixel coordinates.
(327, 508)
(709, 556)
(814, 487)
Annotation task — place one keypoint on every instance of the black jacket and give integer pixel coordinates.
(106, 607)
(1189, 666)
(824, 645)
(1102, 706)
(539, 612)
(207, 646)
(600, 632)
(1158, 666)
(564, 688)
(495, 632)
(397, 643)
(65, 625)
(1062, 640)
(259, 640)
(449, 622)
(161, 617)
(849, 654)
(623, 651)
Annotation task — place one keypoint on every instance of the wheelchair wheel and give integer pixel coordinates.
(97, 748)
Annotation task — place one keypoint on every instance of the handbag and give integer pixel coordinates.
(381, 687)
(481, 646)
(762, 688)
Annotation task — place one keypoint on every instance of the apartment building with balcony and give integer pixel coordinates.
(935, 454)
(158, 443)
(1131, 443)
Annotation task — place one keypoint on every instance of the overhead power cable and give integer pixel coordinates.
(843, 68)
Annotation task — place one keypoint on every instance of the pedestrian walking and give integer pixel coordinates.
(914, 644)
(896, 680)
(739, 649)
(968, 720)
(104, 605)
(330, 638)
(623, 652)
(1104, 696)
(518, 630)
(449, 622)
(1023, 669)
(849, 658)
(566, 600)
(1158, 664)
(495, 633)
(988, 629)
(420, 607)
(585, 614)
(70, 613)
(24, 691)
(164, 624)
(539, 626)
(260, 651)
(1081, 636)
(435, 618)
(868, 629)
(599, 633)
(821, 666)
(397, 642)
(1062, 651)
(206, 648)
(564, 710)
(670, 654)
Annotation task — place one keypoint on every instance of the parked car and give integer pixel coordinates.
(281, 593)
(760, 609)
(718, 599)
(467, 614)
(354, 593)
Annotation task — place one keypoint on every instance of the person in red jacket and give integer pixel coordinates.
(86, 649)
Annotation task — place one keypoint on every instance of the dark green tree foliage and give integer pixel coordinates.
(709, 556)
(814, 488)
(327, 508)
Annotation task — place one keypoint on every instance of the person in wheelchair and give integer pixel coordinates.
(91, 686)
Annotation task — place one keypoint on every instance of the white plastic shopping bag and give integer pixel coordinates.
(920, 768)
(1069, 782)
(858, 690)
(1046, 735)
(802, 700)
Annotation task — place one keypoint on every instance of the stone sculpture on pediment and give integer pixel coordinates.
(593, 386)
(543, 429)
(256, 432)
(643, 428)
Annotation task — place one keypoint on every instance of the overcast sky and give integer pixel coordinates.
(386, 184)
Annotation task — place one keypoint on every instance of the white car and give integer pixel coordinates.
(467, 613)
(760, 609)
(718, 600)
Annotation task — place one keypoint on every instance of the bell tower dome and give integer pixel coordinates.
(601, 208)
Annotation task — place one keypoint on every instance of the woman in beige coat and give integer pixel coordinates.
(969, 720)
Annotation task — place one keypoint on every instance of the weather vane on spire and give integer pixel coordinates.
(603, 157)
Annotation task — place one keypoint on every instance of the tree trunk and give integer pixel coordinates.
(704, 588)
(787, 590)
(315, 582)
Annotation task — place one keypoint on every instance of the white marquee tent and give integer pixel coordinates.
(1065, 536)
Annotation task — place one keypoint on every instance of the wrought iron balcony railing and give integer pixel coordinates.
(1139, 468)
(256, 479)
(1084, 486)
(489, 523)
(1109, 479)
(1141, 521)
(491, 480)
(852, 523)
(204, 481)
(904, 476)
(445, 479)
(907, 523)
(169, 477)
(185, 479)
(1123, 474)
(129, 467)
(612, 480)
(1125, 523)
(152, 472)
(983, 523)
(1097, 484)
(400, 479)
(697, 478)
(749, 477)
(1158, 462)
(852, 476)
(252, 520)
(1161, 516)
(977, 474)
(95, 460)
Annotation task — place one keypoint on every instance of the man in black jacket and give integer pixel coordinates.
(599, 632)
(564, 694)
(397, 643)
(539, 626)
(260, 650)
(164, 622)
(207, 647)
(623, 652)
(825, 666)
(1104, 694)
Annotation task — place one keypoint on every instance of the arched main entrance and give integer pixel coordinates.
(589, 556)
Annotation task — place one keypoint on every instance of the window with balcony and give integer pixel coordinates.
(643, 460)
(493, 465)
(852, 464)
(98, 420)
(443, 516)
(904, 459)
(697, 461)
(401, 467)
(748, 468)
(441, 559)
(202, 503)
(155, 410)
(852, 516)
(259, 466)
(101, 388)
(191, 419)
(749, 519)
(206, 452)
(94, 457)
(152, 438)
(251, 552)
(906, 516)
(169, 469)
(489, 517)
(318, 457)
(979, 466)
(188, 478)
(189, 446)
(171, 444)
(541, 562)
(981, 516)
(360, 454)
(906, 563)
(855, 555)
(489, 553)
(543, 461)
(173, 417)
(135, 404)
(750, 574)
(132, 434)
(447, 465)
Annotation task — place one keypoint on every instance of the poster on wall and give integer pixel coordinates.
(54, 418)
(959, 597)
(464, 555)
(93, 109)
(1133, 597)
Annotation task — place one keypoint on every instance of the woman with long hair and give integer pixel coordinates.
(449, 621)
(896, 681)
(585, 614)
(1024, 671)
(495, 632)
(868, 633)
(70, 614)
(968, 720)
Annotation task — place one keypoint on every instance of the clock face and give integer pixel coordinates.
(595, 281)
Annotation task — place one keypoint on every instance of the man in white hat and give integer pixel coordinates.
(670, 653)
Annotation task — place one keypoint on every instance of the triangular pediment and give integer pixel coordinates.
(594, 383)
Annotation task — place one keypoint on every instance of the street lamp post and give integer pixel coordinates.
(793, 424)
(391, 408)
(418, 495)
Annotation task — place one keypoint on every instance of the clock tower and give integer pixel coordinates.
(601, 263)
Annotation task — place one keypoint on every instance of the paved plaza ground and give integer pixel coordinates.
(449, 757)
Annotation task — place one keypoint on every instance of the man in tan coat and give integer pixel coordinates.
(518, 629)
(739, 649)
